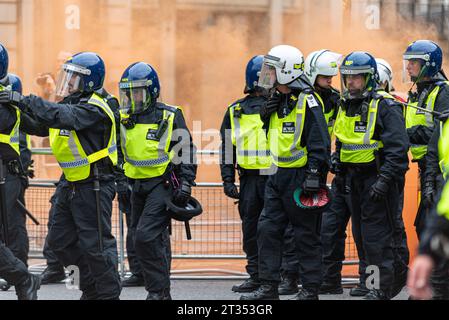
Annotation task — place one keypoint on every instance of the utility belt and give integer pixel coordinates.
(362, 169)
(103, 170)
(146, 185)
(343, 180)
(249, 172)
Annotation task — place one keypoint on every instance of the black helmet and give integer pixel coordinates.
(313, 203)
(184, 214)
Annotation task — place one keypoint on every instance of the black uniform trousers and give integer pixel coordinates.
(251, 203)
(12, 269)
(150, 222)
(73, 236)
(18, 241)
(333, 235)
(373, 225)
(125, 208)
(280, 209)
(50, 256)
(290, 262)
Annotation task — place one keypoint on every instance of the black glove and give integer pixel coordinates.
(335, 163)
(419, 134)
(428, 191)
(30, 170)
(123, 195)
(182, 195)
(443, 116)
(11, 97)
(271, 106)
(230, 190)
(339, 183)
(379, 190)
(312, 182)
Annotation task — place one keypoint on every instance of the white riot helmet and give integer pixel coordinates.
(385, 74)
(321, 63)
(283, 65)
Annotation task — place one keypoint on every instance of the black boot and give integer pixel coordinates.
(27, 290)
(249, 285)
(53, 274)
(400, 280)
(4, 285)
(161, 295)
(133, 281)
(288, 285)
(306, 294)
(376, 295)
(266, 291)
(90, 293)
(331, 288)
(359, 291)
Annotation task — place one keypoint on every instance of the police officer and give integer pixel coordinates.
(372, 149)
(157, 147)
(13, 270)
(244, 146)
(320, 68)
(83, 139)
(401, 252)
(434, 244)
(299, 144)
(423, 63)
(54, 272)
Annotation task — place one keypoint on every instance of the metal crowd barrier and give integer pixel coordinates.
(216, 233)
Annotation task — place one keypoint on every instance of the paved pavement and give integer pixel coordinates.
(181, 290)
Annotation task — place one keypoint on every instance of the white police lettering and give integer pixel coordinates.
(151, 135)
(418, 111)
(64, 133)
(360, 126)
(311, 101)
(288, 128)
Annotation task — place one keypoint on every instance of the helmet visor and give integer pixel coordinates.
(134, 97)
(354, 86)
(267, 77)
(413, 67)
(70, 80)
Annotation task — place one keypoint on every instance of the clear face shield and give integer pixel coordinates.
(354, 82)
(134, 97)
(70, 80)
(413, 67)
(268, 78)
